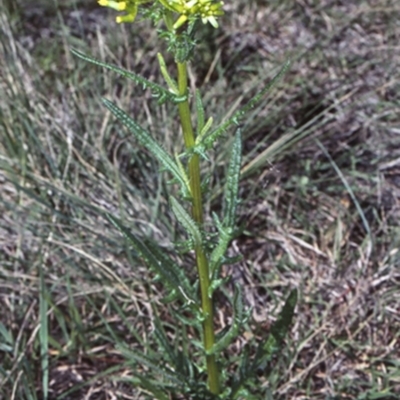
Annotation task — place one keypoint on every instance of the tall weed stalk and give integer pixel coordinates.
(198, 370)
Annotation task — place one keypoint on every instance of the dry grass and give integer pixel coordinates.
(320, 211)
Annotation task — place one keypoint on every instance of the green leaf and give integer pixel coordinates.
(125, 319)
(266, 349)
(184, 246)
(6, 343)
(178, 360)
(206, 127)
(182, 171)
(226, 228)
(245, 364)
(238, 116)
(223, 342)
(224, 237)
(281, 327)
(216, 283)
(245, 394)
(167, 350)
(158, 91)
(164, 71)
(151, 387)
(195, 322)
(153, 365)
(158, 262)
(186, 288)
(372, 395)
(171, 296)
(186, 220)
(279, 330)
(147, 141)
(232, 183)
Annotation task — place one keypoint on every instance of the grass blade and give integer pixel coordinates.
(43, 334)
(348, 188)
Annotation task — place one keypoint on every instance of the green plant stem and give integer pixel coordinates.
(197, 213)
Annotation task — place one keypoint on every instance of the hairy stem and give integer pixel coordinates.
(197, 213)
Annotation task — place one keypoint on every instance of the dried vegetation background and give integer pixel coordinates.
(320, 189)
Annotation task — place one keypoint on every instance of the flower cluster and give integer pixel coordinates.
(130, 7)
(207, 10)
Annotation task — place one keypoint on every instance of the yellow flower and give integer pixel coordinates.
(207, 10)
(130, 7)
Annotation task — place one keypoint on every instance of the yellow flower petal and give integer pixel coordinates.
(211, 20)
(181, 20)
(115, 5)
(125, 18)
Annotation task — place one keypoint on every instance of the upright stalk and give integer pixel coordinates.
(197, 213)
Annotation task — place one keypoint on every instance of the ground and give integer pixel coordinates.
(320, 193)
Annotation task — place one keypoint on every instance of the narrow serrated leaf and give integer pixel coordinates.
(279, 330)
(224, 237)
(233, 331)
(170, 297)
(238, 116)
(216, 283)
(158, 91)
(282, 325)
(226, 228)
(147, 141)
(185, 288)
(206, 128)
(244, 363)
(238, 304)
(169, 276)
(232, 182)
(182, 171)
(153, 365)
(187, 321)
(186, 221)
(167, 350)
(179, 361)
